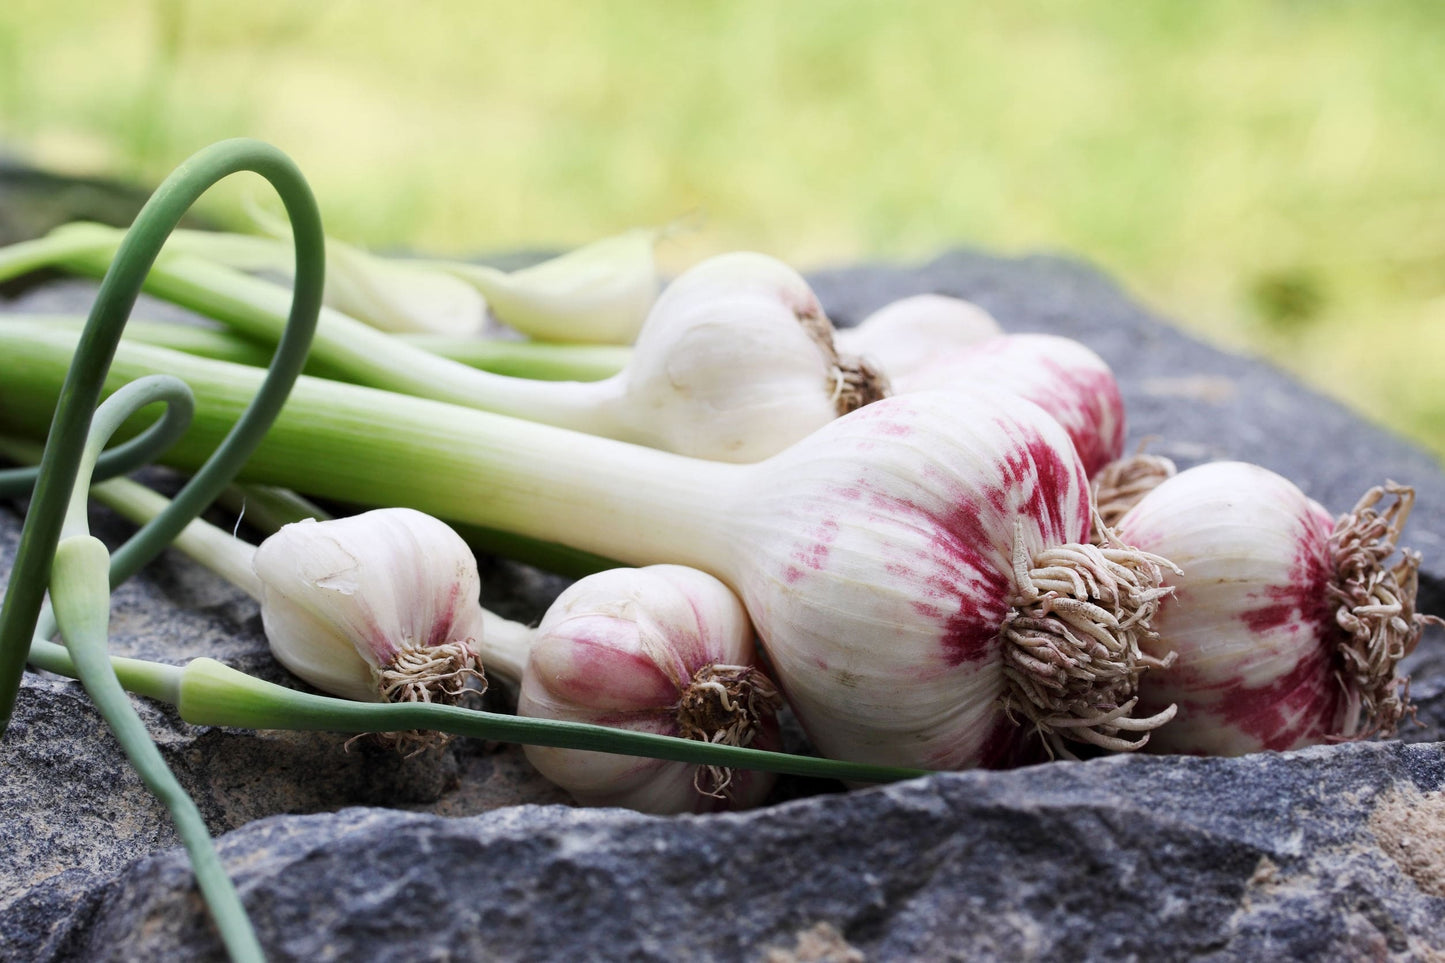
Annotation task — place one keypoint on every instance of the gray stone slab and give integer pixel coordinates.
(1336, 852)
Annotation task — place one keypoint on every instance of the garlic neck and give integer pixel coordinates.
(856, 380)
(1072, 643)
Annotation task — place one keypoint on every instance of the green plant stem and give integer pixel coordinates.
(255, 308)
(210, 693)
(370, 447)
(85, 376)
(80, 592)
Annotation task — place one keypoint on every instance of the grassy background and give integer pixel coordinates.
(1267, 173)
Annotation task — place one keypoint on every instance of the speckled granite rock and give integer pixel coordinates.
(1336, 853)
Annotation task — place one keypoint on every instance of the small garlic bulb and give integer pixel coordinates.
(664, 649)
(1058, 374)
(913, 332)
(1286, 623)
(737, 361)
(378, 607)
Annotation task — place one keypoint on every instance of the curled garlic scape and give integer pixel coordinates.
(1375, 609)
(1072, 643)
(381, 606)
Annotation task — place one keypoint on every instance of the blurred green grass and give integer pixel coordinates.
(1266, 173)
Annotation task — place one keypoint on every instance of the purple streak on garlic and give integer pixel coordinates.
(1063, 377)
(919, 576)
(1286, 623)
(663, 649)
(377, 607)
(913, 332)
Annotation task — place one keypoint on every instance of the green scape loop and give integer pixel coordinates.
(123, 458)
(85, 379)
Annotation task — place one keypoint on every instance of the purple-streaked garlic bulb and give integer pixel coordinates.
(378, 607)
(663, 649)
(920, 575)
(1062, 376)
(1287, 624)
(913, 332)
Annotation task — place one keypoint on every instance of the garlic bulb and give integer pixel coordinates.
(919, 575)
(736, 361)
(913, 332)
(597, 294)
(662, 649)
(381, 606)
(1287, 624)
(1062, 376)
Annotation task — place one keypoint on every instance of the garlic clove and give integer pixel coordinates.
(381, 606)
(913, 332)
(598, 294)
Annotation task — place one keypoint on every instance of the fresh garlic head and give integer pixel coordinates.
(663, 649)
(598, 294)
(1058, 374)
(913, 332)
(897, 566)
(1287, 625)
(381, 606)
(736, 362)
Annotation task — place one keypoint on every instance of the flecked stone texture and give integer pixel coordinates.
(1336, 852)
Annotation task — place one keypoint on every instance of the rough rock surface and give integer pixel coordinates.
(1332, 853)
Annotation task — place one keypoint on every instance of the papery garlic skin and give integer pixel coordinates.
(878, 562)
(624, 648)
(1062, 376)
(736, 362)
(913, 332)
(1251, 622)
(346, 602)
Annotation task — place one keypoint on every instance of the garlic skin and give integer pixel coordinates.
(1264, 661)
(381, 606)
(663, 649)
(912, 332)
(735, 363)
(599, 293)
(1062, 376)
(889, 560)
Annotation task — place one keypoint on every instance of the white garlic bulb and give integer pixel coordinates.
(381, 606)
(913, 332)
(1287, 623)
(663, 649)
